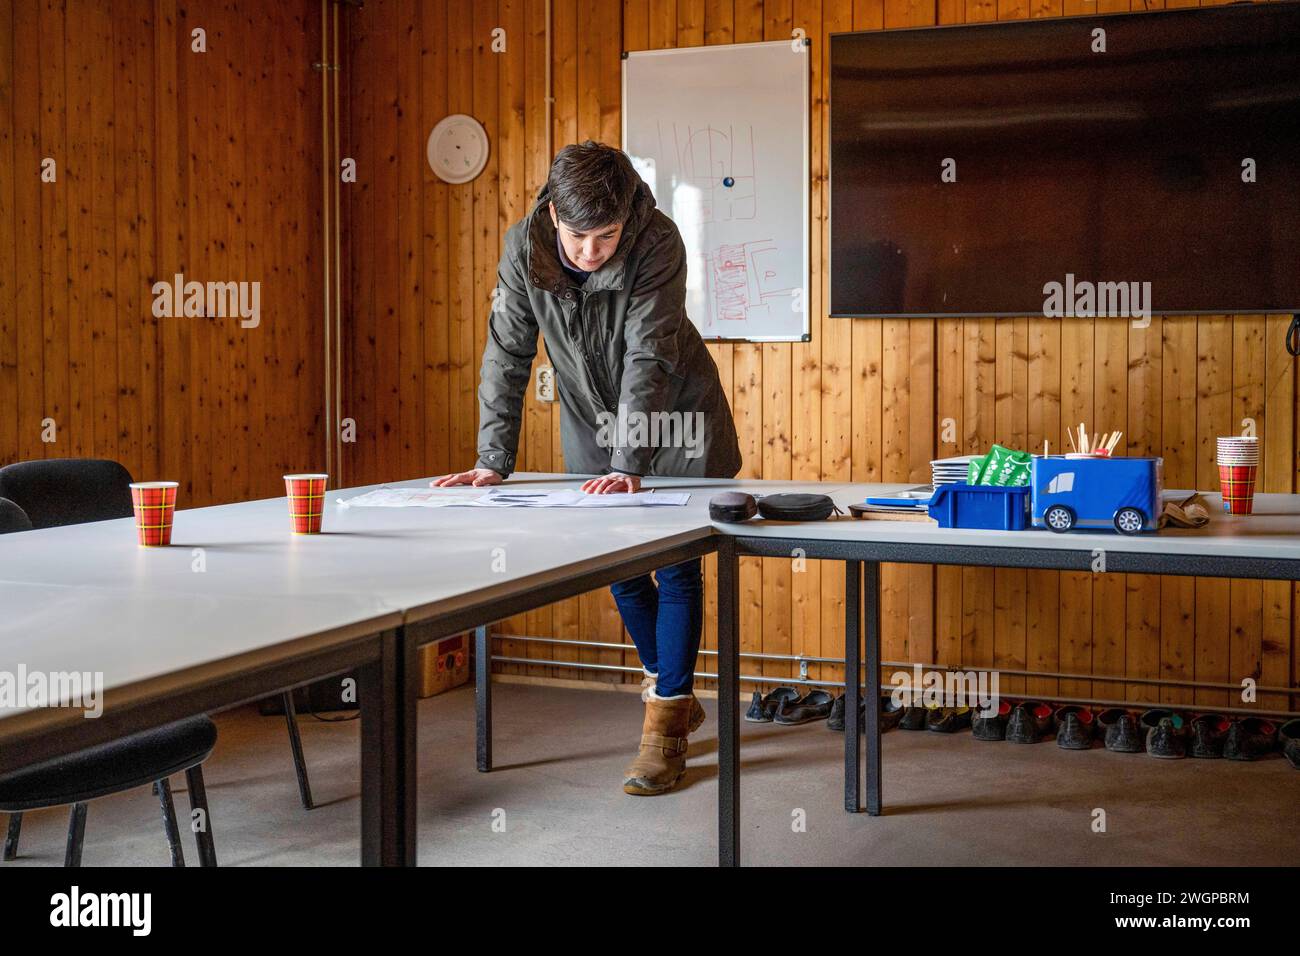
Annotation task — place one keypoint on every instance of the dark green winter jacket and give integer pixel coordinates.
(621, 340)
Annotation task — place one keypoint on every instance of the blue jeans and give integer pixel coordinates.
(665, 622)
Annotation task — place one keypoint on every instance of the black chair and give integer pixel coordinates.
(61, 491)
(13, 518)
(149, 757)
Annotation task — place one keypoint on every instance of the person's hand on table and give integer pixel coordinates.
(612, 483)
(475, 476)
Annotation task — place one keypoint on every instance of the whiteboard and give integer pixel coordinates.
(720, 134)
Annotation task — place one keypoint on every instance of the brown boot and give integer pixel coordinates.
(697, 710)
(661, 762)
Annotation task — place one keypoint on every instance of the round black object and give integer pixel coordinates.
(796, 507)
(732, 506)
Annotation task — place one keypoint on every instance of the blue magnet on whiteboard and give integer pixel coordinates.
(728, 181)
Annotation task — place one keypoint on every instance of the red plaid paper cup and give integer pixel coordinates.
(1237, 485)
(306, 502)
(155, 506)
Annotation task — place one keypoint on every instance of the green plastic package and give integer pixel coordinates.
(1005, 467)
(975, 468)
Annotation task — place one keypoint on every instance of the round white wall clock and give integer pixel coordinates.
(458, 148)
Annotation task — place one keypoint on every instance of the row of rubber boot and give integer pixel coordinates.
(1166, 734)
(1162, 733)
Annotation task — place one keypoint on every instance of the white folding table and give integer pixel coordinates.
(1264, 545)
(239, 608)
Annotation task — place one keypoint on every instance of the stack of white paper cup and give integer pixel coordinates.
(1238, 460)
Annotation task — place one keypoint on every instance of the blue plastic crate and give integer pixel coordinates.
(990, 507)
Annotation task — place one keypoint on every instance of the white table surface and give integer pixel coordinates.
(88, 598)
(400, 557)
(1273, 531)
(151, 641)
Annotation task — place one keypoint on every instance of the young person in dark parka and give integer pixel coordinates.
(601, 273)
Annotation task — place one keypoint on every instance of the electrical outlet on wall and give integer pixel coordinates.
(545, 383)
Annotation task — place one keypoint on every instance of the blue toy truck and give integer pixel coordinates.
(1119, 493)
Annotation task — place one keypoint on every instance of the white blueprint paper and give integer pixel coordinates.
(508, 498)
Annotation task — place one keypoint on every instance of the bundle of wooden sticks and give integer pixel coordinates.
(1097, 445)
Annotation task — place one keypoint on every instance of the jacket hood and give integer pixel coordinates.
(543, 259)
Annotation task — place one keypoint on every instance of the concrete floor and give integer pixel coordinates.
(949, 800)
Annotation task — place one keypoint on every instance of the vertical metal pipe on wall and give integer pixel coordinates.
(550, 93)
(324, 67)
(332, 235)
(336, 175)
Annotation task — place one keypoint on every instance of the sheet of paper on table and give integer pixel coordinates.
(502, 497)
(413, 498)
(506, 498)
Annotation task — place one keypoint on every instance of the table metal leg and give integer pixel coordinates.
(295, 746)
(388, 694)
(871, 601)
(852, 695)
(728, 704)
(483, 698)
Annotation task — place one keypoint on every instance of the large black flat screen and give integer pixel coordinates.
(1118, 166)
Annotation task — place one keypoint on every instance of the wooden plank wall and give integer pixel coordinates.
(865, 400)
(169, 160)
(208, 164)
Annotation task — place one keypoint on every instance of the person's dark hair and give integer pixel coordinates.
(592, 185)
